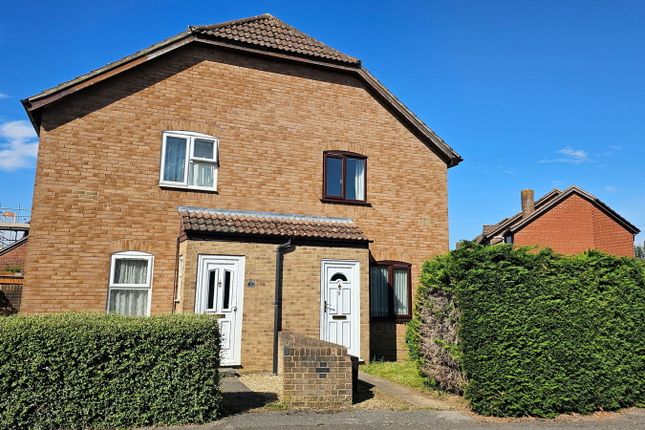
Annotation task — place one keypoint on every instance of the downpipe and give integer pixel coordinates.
(277, 301)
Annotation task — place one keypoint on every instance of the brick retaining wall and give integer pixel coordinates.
(316, 374)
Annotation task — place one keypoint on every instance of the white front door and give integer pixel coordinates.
(220, 291)
(340, 304)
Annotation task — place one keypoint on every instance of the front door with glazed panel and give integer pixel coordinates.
(340, 304)
(220, 292)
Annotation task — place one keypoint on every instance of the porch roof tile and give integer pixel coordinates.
(251, 223)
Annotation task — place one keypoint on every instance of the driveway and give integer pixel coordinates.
(632, 419)
(424, 412)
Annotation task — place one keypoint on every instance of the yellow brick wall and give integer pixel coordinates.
(97, 177)
(301, 291)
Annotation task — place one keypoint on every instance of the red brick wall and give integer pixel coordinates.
(10, 293)
(14, 257)
(577, 225)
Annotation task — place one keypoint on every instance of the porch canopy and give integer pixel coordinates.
(268, 224)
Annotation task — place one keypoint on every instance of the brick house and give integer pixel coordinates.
(13, 256)
(12, 260)
(569, 222)
(243, 169)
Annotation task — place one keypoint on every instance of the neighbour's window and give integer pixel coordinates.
(189, 160)
(344, 177)
(130, 278)
(390, 290)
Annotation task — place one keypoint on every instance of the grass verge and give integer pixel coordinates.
(402, 372)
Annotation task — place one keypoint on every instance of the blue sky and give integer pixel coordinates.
(532, 94)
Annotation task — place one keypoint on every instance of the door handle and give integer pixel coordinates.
(234, 308)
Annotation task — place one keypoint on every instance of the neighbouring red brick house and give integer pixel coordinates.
(242, 169)
(12, 261)
(13, 256)
(569, 222)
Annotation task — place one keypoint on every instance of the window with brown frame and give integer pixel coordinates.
(390, 291)
(344, 177)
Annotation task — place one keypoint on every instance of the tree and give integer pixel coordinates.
(639, 250)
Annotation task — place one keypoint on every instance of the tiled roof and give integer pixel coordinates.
(16, 244)
(543, 204)
(263, 33)
(219, 221)
(267, 31)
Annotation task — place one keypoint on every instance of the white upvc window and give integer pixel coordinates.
(189, 160)
(130, 283)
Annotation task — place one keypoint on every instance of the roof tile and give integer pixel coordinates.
(268, 31)
(269, 224)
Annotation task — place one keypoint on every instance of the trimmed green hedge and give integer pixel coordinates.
(79, 371)
(540, 333)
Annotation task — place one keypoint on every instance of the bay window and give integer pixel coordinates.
(344, 177)
(130, 282)
(390, 290)
(189, 160)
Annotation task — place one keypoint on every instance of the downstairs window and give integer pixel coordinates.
(390, 291)
(130, 280)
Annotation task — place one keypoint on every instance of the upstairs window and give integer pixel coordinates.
(390, 291)
(130, 279)
(344, 177)
(189, 160)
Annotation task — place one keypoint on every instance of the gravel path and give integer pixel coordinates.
(367, 397)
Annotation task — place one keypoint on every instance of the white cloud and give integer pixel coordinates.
(18, 145)
(611, 151)
(3, 95)
(610, 189)
(569, 155)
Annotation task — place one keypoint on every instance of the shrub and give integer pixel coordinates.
(432, 333)
(13, 269)
(78, 371)
(539, 333)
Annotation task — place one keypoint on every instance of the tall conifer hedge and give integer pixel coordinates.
(536, 333)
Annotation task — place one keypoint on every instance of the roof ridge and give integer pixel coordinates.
(281, 34)
(232, 22)
(546, 202)
(265, 35)
(508, 221)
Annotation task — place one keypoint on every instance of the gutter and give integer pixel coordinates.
(280, 250)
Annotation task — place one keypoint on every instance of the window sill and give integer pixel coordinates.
(346, 202)
(403, 319)
(183, 188)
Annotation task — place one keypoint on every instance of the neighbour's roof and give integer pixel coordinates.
(543, 205)
(263, 35)
(267, 31)
(22, 241)
(269, 224)
(492, 230)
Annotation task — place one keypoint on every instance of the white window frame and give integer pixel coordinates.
(190, 138)
(131, 255)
